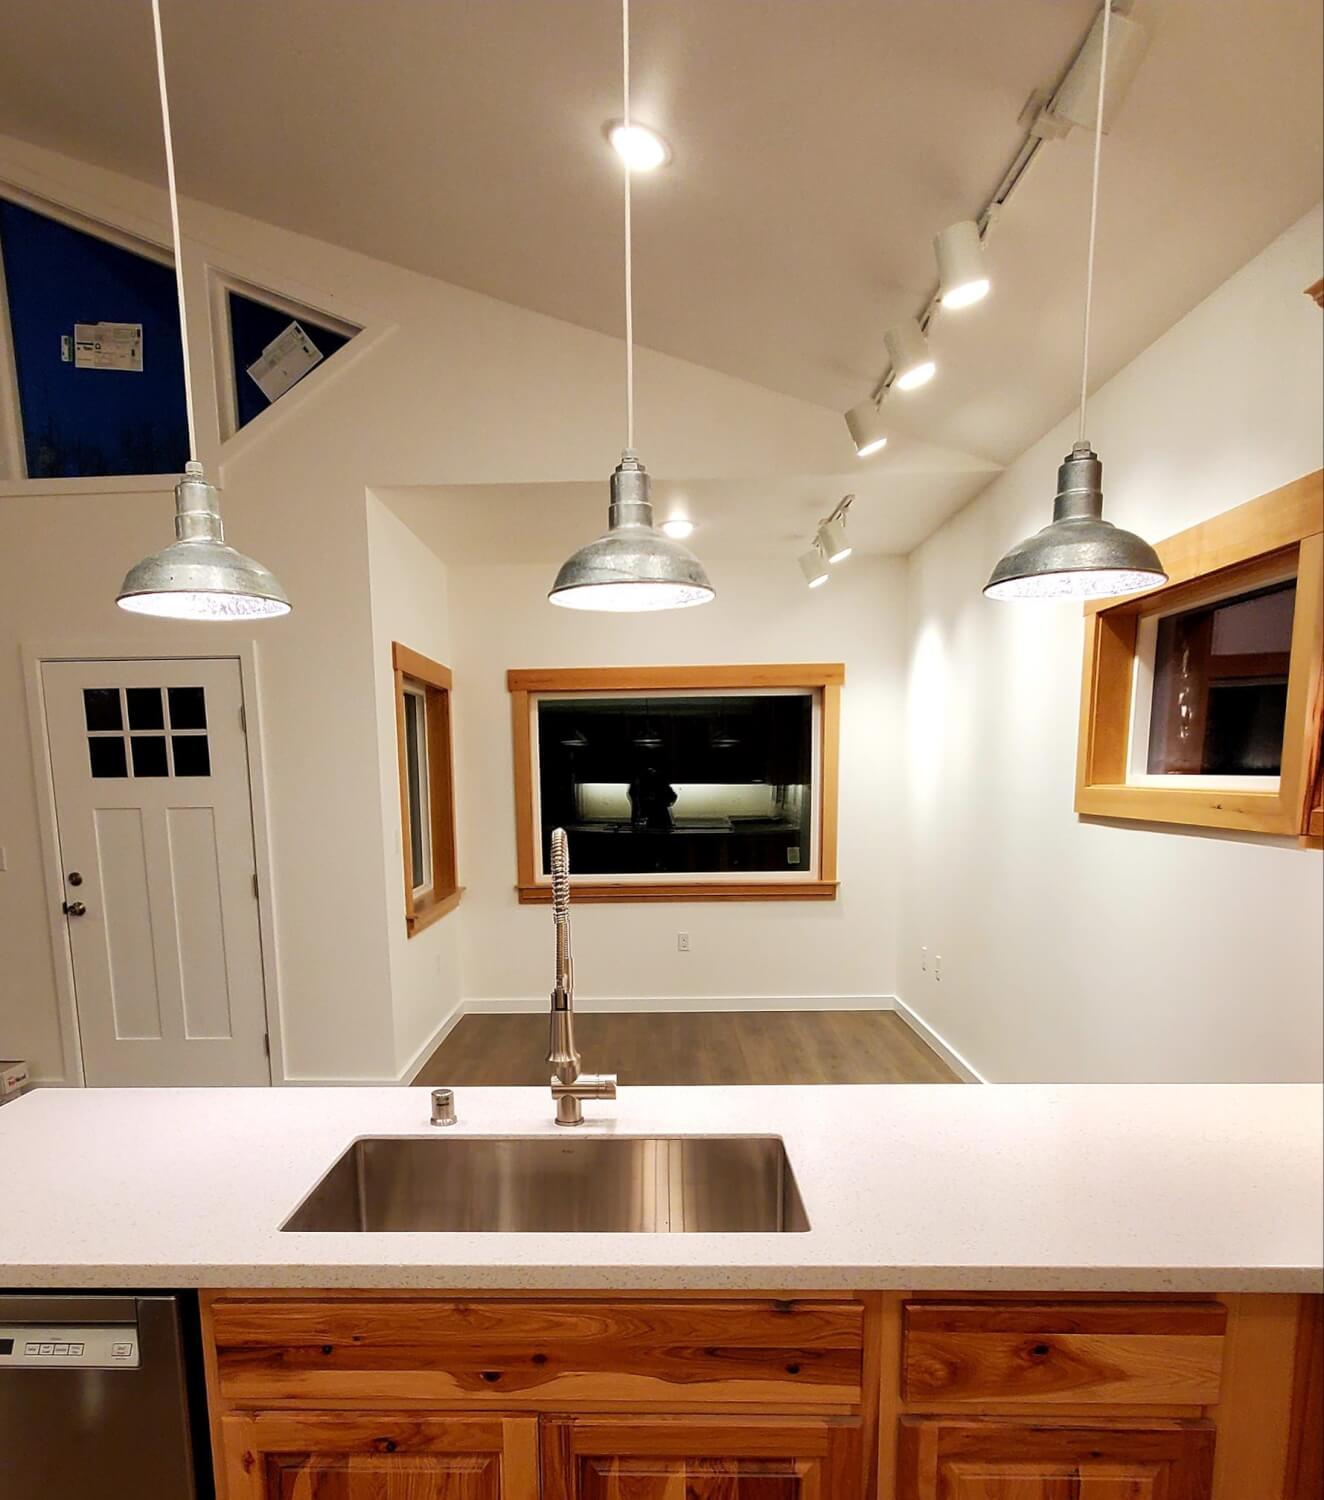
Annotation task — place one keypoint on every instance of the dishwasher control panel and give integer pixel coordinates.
(64, 1346)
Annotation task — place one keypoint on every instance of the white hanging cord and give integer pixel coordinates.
(174, 226)
(629, 247)
(1094, 217)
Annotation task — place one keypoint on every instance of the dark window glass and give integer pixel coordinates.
(188, 708)
(83, 421)
(149, 755)
(416, 780)
(145, 711)
(192, 757)
(101, 708)
(1220, 686)
(253, 325)
(106, 757)
(679, 785)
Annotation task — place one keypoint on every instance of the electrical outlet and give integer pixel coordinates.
(937, 967)
(682, 942)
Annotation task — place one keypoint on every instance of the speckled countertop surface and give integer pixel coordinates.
(1011, 1187)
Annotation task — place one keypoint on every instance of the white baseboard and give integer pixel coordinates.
(636, 1004)
(938, 1042)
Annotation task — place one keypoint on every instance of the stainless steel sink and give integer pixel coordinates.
(553, 1185)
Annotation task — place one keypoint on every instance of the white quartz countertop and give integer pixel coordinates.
(1007, 1188)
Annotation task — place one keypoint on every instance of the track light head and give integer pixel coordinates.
(908, 349)
(962, 274)
(813, 566)
(832, 540)
(865, 425)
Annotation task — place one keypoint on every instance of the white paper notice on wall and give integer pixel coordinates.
(108, 346)
(286, 359)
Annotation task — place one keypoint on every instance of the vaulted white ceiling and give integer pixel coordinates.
(819, 144)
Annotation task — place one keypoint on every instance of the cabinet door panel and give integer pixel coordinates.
(995, 1459)
(359, 1456)
(696, 1459)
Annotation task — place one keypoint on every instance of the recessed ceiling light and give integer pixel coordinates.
(678, 528)
(641, 149)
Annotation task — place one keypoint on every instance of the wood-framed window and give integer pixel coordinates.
(679, 783)
(427, 787)
(1201, 700)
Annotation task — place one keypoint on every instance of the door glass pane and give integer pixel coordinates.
(1220, 686)
(145, 711)
(149, 755)
(192, 756)
(80, 419)
(101, 708)
(679, 785)
(188, 708)
(106, 756)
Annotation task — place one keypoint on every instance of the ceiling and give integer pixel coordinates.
(819, 144)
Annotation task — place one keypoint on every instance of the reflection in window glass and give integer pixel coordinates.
(416, 780)
(1220, 686)
(254, 326)
(686, 784)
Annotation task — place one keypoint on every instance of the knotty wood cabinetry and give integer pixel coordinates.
(880, 1396)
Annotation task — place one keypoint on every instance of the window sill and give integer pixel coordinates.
(701, 890)
(431, 910)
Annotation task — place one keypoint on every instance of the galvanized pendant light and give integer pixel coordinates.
(632, 566)
(197, 577)
(1080, 555)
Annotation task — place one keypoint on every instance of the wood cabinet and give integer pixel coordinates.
(959, 1458)
(875, 1396)
(363, 1456)
(664, 1459)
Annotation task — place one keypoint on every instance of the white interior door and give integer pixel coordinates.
(155, 825)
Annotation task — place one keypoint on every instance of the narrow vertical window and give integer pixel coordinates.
(427, 798)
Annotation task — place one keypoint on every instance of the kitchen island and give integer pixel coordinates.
(1011, 1286)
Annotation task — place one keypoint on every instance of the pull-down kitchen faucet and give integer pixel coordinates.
(569, 1085)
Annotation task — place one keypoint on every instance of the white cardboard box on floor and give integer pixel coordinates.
(13, 1080)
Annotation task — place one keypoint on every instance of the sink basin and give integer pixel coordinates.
(555, 1185)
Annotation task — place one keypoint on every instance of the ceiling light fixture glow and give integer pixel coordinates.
(678, 528)
(197, 577)
(962, 275)
(641, 149)
(908, 349)
(1080, 555)
(632, 566)
(865, 425)
(832, 539)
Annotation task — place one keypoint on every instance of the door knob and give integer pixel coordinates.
(74, 909)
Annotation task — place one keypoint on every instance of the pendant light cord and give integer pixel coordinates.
(1094, 218)
(174, 228)
(629, 242)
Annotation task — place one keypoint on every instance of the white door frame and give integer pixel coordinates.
(35, 654)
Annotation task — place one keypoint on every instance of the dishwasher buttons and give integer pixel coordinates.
(121, 1351)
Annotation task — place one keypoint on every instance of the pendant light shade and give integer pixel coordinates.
(631, 566)
(865, 425)
(197, 577)
(1080, 555)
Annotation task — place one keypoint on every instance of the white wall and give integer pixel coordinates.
(1100, 951)
(425, 396)
(787, 952)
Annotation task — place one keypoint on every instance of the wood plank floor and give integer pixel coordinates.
(694, 1047)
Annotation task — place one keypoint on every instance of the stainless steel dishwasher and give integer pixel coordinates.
(96, 1398)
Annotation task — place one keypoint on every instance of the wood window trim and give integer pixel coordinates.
(412, 666)
(1234, 548)
(825, 677)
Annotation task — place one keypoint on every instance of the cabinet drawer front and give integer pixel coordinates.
(539, 1354)
(1116, 1353)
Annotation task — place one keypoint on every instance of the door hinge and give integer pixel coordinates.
(266, 1043)
(255, 895)
(243, 719)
